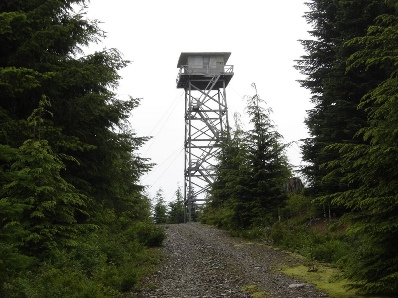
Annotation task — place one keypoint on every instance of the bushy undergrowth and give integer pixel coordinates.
(104, 263)
(311, 230)
(218, 217)
(297, 229)
(322, 246)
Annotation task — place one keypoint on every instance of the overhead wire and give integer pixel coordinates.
(165, 170)
(162, 121)
(163, 162)
(172, 107)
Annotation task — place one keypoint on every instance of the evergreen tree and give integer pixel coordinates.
(268, 163)
(224, 205)
(248, 188)
(371, 168)
(72, 210)
(43, 205)
(176, 209)
(41, 55)
(160, 208)
(336, 92)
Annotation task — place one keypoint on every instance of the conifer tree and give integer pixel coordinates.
(269, 166)
(67, 167)
(41, 55)
(176, 208)
(247, 190)
(229, 187)
(160, 208)
(43, 205)
(335, 91)
(371, 168)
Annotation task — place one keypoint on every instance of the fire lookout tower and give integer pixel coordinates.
(204, 77)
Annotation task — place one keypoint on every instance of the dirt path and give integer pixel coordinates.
(202, 261)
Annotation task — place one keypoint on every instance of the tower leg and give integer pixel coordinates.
(206, 125)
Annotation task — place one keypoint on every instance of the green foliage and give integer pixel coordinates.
(247, 191)
(147, 234)
(104, 263)
(54, 282)
(336, 91)
(330, 251)
(370, 169)
(44, 202)
(257, 233)
(351, 70)
(284, 235)
(69, 172)
(219, 217)
(160, 208)
(12, 263)
(298, 206)
(320, 240)
(317, 246)
(176, 209)
(267, 161)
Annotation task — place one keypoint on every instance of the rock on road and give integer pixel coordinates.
(202, 261)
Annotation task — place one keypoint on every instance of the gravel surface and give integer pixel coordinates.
(201, 261)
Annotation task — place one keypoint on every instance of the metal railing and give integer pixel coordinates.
(187, 69)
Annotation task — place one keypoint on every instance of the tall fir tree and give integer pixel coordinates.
(252, 167)
(371, 168)
(41, 55)
(70, 166)
(336, 92)
(268, 163)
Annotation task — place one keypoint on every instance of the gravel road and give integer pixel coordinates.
(201, 261)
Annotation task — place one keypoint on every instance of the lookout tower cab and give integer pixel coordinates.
(200, 67)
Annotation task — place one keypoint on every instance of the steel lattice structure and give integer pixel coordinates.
(206, 119)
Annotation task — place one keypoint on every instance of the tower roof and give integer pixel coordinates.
(183, 60)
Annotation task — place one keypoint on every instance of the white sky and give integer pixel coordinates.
(262, 37)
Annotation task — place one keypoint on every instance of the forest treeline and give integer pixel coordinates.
(74, 219)
(350, 67)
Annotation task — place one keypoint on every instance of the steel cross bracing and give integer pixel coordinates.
(206, 124)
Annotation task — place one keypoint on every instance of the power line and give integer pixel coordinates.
(168, 167)
(179, 149)
(173, 106)
(165, 170)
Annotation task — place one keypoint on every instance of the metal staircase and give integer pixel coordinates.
(205, 124)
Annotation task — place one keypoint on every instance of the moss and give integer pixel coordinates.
(244, 244)
(253, 290)
(324, 278)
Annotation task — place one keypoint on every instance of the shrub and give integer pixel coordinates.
(297, 206)
(288, 236)
(218, 217)
(12, 262)
(331, 251)
(147, 234)
(52, 282)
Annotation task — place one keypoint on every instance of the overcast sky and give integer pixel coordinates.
(262, 37)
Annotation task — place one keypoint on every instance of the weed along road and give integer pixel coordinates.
(201, 261)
